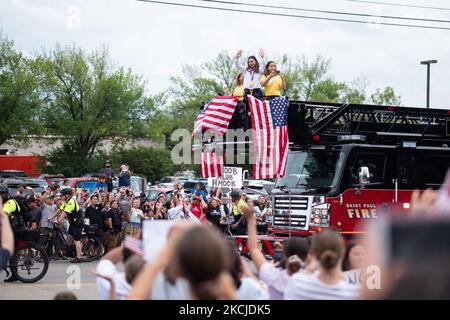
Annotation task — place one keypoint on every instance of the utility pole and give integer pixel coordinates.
(428, 64)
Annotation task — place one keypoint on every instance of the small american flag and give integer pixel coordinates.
(216, 115)
(134, 244)
(270, 137)
(211, 164)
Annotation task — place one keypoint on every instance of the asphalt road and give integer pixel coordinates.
(59, 275)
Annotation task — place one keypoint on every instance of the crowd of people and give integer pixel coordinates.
(199, 261)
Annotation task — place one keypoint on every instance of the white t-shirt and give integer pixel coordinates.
(106, 267)
(164, 290)
(309, 287)
(275, 278)
(250, 289)
(134, 215)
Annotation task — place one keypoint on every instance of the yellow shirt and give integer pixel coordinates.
(239, 92)
(10, 206)
(237, 209)
(274, 86)
(70, 206)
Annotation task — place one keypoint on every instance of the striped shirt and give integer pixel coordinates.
(309, 287)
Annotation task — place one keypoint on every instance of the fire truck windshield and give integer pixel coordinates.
(312, 169)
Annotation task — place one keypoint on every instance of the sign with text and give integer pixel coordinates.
(231, 178)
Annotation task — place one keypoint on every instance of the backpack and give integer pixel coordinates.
(18, 217)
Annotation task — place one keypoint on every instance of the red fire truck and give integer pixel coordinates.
(351, 163)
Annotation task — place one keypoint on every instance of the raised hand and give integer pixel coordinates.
(239, 54)
(262, 54)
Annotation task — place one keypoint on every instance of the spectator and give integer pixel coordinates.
(33, 215)
(239, 86)
(214, 215)
(108, 172)
(7, 238)
(261, 209)
(124, 176)
(48, 209)
(200, 190)
(198, 208)
(21, 191)
(95, 215)
(66, 184)
(124, 205)
(239, 205)
(202, 261)
(276, 277)
(216, 192)
(327, 283)
(272, 80)
(101, 185)
(121, 281)
(248, 286)
(353, 263)
(114, 224)
(66, 295)
(252, 74)
(159, 210)
(179, 189)
(134, 219)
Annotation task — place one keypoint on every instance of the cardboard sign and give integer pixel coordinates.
(231, 178)
(154, 237)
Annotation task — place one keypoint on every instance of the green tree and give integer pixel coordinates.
(153, 163)
(19, 97)
(90, 100)
(386, 96)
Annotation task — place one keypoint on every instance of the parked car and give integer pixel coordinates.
(267, 185)
(254, 190)
(40, 182)
(52, 178)
(169, 181)
(13, 185)
(80, 182)
(153, 194)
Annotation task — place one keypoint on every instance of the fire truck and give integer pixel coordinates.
(351, 163)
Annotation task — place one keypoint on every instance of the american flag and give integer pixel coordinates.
(211, 164)
(270, 137)
(134, 244)
(216, 115)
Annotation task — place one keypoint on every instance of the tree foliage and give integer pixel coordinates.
(19, 97)
(89, 100)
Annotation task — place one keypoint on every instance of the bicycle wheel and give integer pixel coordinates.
(29, 263)
(91, 248)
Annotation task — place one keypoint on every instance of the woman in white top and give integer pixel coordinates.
(252, 74)
(328, 282)
(275, 276)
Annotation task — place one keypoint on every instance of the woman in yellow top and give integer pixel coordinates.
(272, 80)
(239, 89)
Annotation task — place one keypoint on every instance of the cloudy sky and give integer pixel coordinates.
(155, 39)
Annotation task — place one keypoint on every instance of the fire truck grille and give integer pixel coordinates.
(296, 202)
(282, 221)
(282, 204)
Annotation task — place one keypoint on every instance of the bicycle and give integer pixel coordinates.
(61, 244)
(29, 263)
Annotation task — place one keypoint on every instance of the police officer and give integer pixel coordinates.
(71, 209)
(14, 212)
